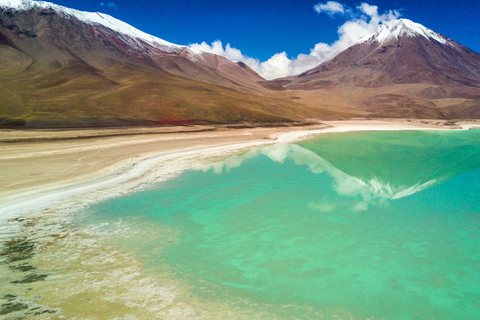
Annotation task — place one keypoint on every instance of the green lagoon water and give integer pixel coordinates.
(378, 225)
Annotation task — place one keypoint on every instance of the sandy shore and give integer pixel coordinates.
(53, 266)
(39, 167)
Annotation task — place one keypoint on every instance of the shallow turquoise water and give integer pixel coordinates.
(371, 224)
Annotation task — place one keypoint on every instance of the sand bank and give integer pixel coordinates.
(41, 167)
(75, 272)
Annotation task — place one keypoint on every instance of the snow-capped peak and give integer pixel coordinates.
(16, 4)
(94, 18)
(403, 28)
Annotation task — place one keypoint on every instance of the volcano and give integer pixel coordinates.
(61, 67)
(400, 52)
(404, 69)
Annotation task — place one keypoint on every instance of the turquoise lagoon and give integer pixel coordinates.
(377, 225)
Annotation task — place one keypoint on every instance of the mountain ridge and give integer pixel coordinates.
(402, 70)
(63, 71)
(93, 18)
(392, 45)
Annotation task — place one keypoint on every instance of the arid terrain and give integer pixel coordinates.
(56, 70)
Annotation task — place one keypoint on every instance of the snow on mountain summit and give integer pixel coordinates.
(94, 18)
(15, 4)
(403, 28)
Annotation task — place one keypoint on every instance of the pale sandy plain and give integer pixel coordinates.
(40, 166)
(48, 175)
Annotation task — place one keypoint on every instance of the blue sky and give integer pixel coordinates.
(262, 29)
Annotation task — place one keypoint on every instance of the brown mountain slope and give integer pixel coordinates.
(61, 68)
(403, 70)
(57, 70)
(79, 95)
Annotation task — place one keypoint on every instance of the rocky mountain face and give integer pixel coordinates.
(400, 52)
(63, 67)
(385, 66)
(53, 35)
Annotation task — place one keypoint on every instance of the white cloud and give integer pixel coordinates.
(368, 9)
(362, 21)
(330, 7)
